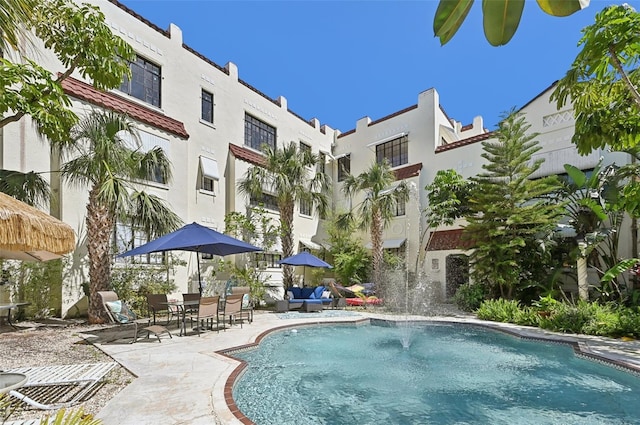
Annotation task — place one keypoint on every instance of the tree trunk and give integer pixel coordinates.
(377, 227)
(286, 238)
(99, 228)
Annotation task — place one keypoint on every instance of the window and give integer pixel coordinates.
(397, 252)
(263, 260)
(304, 148)
(344, 167)
(401, 207)
(207, 184)
(258, 133)
(264, 200)
(305, 207)
(145, 143)
(207, 107)
(144, 83)
(209, 173)
(395, 151)
(125, 238)
(322, 159)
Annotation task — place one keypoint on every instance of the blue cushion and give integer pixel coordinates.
(297, 292)
(317, 293)
(305, 293)
(120, 311)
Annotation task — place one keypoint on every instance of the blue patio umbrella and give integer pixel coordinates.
(196, 238)
(305, 259)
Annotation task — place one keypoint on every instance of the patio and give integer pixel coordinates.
(183, 380)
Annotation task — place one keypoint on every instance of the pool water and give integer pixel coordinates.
(346, 375)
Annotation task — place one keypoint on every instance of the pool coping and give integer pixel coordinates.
(576, 342)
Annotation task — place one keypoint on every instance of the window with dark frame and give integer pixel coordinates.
(305, 207)
(322, 159)
(304, 147)
(207, 184)
(401, 207)
(398, 252)
(144, 83)
(265, 200)
(266, 260)
(258, 133)
(207, 106)
(395, 151)
(344, 167)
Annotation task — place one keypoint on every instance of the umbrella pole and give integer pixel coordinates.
(199, 279)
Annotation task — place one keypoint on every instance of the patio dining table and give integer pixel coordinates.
(182, 307)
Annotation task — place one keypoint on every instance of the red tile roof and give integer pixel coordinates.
(247, 155)
(408, 171)
(88, 93)
(465, 142)
(446, 240)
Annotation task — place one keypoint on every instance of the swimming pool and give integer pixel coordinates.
(451, 374)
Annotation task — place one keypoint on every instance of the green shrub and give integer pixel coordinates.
(499, 310)
(630, 322)
(564, 318)
(468, 297)
(602, 319)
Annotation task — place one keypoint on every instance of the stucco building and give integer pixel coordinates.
(211, 123)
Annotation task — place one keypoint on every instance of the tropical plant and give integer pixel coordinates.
(377, 208)
(257, 227)
(287, 174)
(470, 296)
(602, 83)
(500, 17)
(511, 216)
(83, 42)
(133, 282)
(104, 161)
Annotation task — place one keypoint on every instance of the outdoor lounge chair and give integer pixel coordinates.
(119, 313)
(53, 387)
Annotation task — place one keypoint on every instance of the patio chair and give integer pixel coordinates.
(120, 314)
(232, 309)
(53, 387)
(191, 297)
(157, 306)
(247, 304)
(207, 311)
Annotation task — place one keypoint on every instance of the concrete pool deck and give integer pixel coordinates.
(182, 380)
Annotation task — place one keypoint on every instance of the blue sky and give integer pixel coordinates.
(339, 61)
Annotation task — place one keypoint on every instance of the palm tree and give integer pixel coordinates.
(287, 174)
(377, 208)
(105, 163)
(27, 187)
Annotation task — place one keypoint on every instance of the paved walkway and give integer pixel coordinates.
(182, 380)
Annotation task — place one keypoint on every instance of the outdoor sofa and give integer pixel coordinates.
(301, 297)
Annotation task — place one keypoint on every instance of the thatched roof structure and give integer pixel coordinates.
(26, 229)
